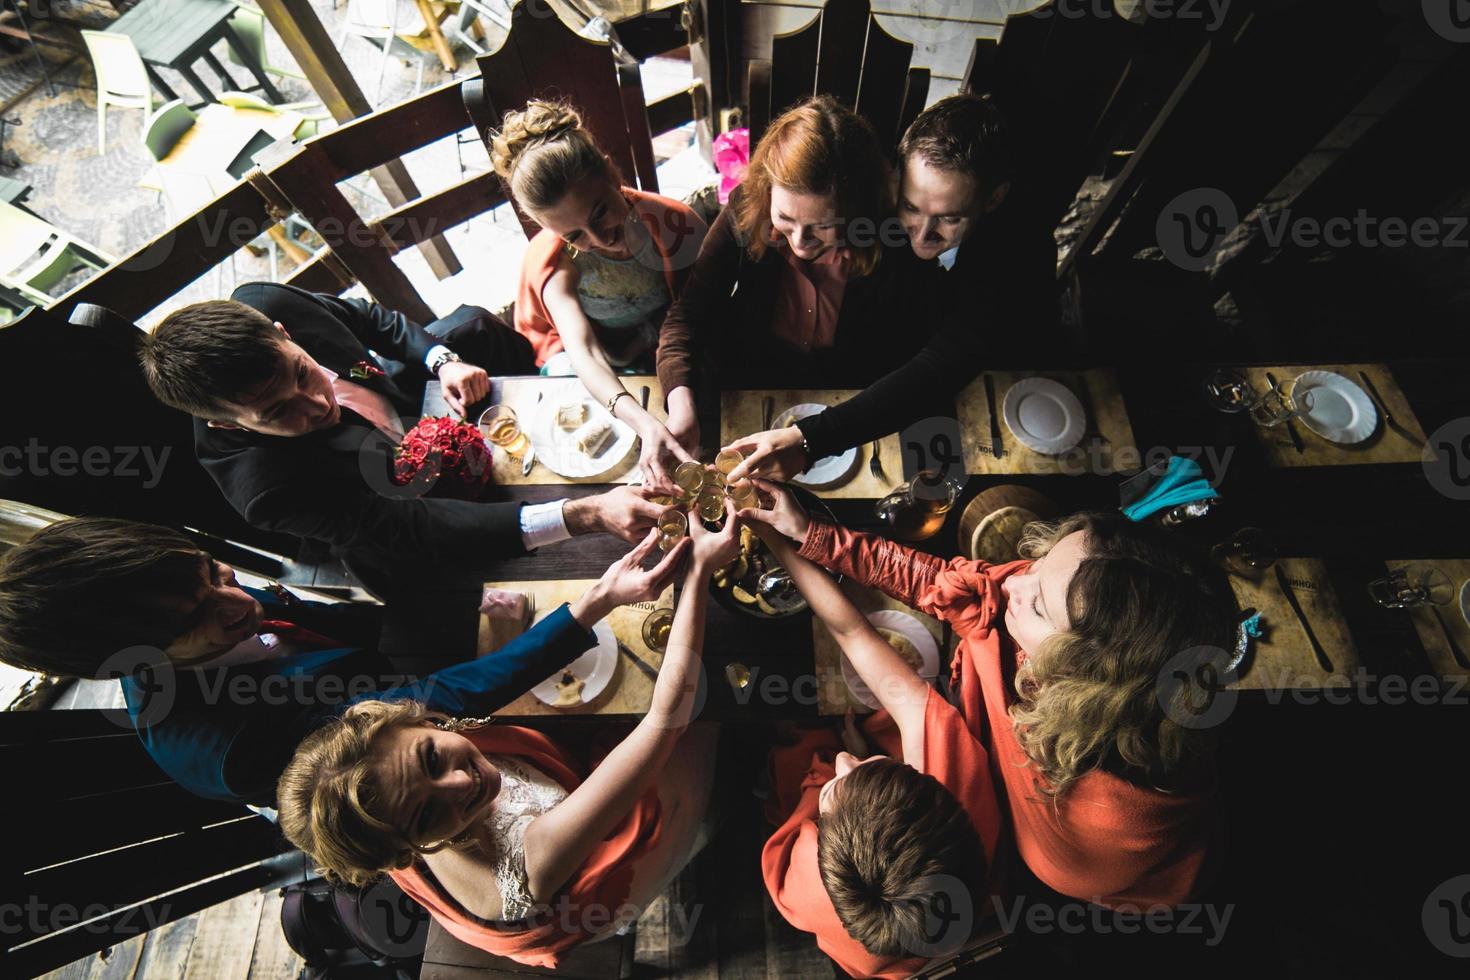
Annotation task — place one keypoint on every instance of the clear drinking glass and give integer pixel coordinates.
(1229, 391)
(1247, 553)
(1410, 586)
(916, 510)
(499, 425)
(1281, 404)
(656, 627)
(673, 524)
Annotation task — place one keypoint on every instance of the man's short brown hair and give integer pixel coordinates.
(209, 354)
(964, 133)
(83, 589)
(894, 843)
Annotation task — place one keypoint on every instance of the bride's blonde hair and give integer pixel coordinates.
(543, 150)
(330, 801)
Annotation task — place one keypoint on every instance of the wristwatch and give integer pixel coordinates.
(443, 357)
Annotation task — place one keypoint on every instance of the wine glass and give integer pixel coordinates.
(1247, 553)
(1229, 391)
(1413, 585)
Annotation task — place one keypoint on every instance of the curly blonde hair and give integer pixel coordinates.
(1090, 696)
(329, 800)
(543, 150)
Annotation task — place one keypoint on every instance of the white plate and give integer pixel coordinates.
(1341, 411)
(557, 450)
(828, 471)
(1044, 415)
(911, 629)
(1465, 601)
(594, 668)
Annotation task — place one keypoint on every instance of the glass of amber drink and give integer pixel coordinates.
(673, 524)
(499, 425)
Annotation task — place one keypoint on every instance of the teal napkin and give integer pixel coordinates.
(1182, 483)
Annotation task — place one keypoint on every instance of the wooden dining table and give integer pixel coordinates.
(1334, 527)
(177, 34)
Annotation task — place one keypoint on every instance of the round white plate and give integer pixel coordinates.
(1341, 411)
(827, 472)
(1044, 415)
(557, 449)
(911, 629)
(1465, 601)
(594, 668)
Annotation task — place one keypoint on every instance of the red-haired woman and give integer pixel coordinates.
(803, 277)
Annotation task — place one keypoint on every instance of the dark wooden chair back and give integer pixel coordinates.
(846, 54)
(103, 846)
(542, 58)
(103, 444)
(447, 958)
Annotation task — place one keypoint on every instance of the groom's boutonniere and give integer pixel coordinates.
(363, 370)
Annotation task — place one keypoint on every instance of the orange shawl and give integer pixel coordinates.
(586, 904)
(789, 858)
(676, 231)
(1107, 840)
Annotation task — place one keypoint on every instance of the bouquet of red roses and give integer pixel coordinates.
(447, 456)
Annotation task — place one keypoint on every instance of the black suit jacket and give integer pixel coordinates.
(333, 485)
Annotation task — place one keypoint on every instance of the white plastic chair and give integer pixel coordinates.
(122, 79)
(38, 255)
(377, 20)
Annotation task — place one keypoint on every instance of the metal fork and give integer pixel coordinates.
(875, 464)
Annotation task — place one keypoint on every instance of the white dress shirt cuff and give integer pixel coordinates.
(433, 353)
(543, 524)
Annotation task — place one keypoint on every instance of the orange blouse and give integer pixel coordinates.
(586, 903)
(1106, 840)
(676, 232)
(789, 859)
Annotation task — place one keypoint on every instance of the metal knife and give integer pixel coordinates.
(1085, 397)
(1449, 638)
(1296, 437)
(768, 408)
(643, 397)
(1388, 418)
(1301, 617)
(638, 661)
(995, 442)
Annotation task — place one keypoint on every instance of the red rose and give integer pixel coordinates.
(451, 452)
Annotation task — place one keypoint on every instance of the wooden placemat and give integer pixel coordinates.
(1093, 455)
(1385, 445)
(1282, 658)
(628, 693)
(1443, 634)
(521, 394)
(833, 697)
(740, 415)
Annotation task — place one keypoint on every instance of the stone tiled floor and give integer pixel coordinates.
(96, 197)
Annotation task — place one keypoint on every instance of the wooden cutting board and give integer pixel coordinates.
(628, 693)
(991, 523)
(1446, 633)
(1385, 445)
(740, 415)
(1282, 658)
(833, 697)
(1113, 453)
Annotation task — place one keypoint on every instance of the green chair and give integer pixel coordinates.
(16, 298)
(166, 126)
(248, 23)
(36, 255)
(122, 78)
(310, 123)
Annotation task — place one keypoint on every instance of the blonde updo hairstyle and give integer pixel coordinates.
(330, 801)
(543, 151)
